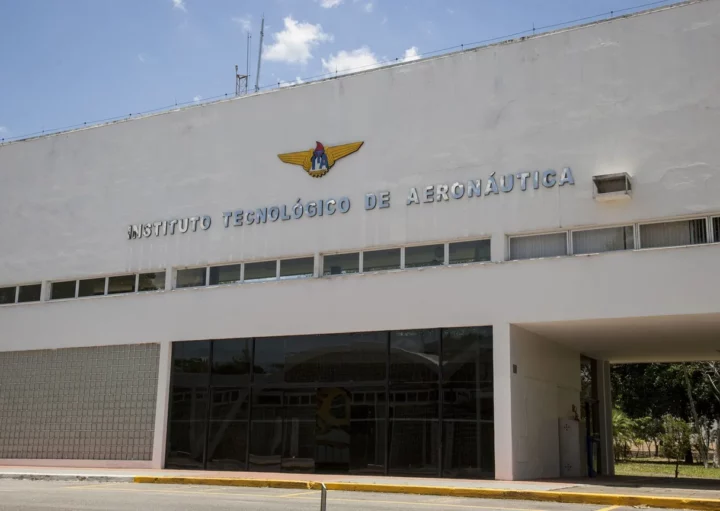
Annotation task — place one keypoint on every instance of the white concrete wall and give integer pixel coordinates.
(638, 95)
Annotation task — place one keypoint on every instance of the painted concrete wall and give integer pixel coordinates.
(638, 95)
(545, 388)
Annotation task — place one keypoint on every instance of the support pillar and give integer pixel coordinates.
(607, 456)
(502, 391)
(162, 406)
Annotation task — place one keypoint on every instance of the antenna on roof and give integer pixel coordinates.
(262, 34)
(241, 81)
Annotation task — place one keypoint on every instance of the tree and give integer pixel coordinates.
(675, 440)
(622, 433)
(648, 430)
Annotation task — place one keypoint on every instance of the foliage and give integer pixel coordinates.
(656, 467)
(622, 433)
(675, 440)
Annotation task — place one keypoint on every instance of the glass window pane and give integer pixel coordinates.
(190, 357)
(7, 295)
(121, 284)
(186, 444)
(603, 240)
(414, 447)
(188, 403)
(151, 281)
(467, 356)
(379, 260)
(673, 234)
(468, 252)
(366, 432)
(60, 290)
(716, 229)
(414, 355)
(224, 274)
(266, 270)
(341, 264)
(231, 362)
(295, 268)
(429, 255)
(468, 449)
(91, 287)
(227, 445)
(193, 277)
(29, 293)
(266, 433)
(541, 245)
(229, 403)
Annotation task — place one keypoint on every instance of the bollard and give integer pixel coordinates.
(323, 497)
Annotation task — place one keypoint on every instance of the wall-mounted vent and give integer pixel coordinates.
(610, 187)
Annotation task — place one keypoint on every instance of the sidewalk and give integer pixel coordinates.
(620, 491)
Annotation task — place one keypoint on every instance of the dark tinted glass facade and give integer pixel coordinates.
(409, 403)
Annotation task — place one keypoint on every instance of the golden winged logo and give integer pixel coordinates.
(318, 162)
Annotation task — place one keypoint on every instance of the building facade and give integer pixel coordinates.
(402, 271)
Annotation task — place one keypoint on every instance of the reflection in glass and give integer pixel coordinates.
(151, 281)
(266, 270)
(186, 444)
(469, 251)
(224, 274)
(341, 264)
(60, 290)
(296, 268)
(91, 287)
(231, 362)
(414, 355)
(429, 255)
(380, 260)
(29, 293)
(7, 295)
(193, 277)
(121, 284)
(227, 445)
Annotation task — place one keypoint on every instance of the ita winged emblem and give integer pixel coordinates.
(318, 162)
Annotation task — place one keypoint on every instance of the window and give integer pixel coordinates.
(603, 240)
(716, 229)
(266, 270)
(29, 293)
(91, 287)
(7, 295)
(224, 274)
(341, 264)
(379, 260)
(541, 245)
(60, 290)
(193, 277)
(121, 284)
(151, 281)
(673, 234)
(428, 255)
(297, 268)
(469, 252)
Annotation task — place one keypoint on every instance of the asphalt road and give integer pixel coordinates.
(83, 496)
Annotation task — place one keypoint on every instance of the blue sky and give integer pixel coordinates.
(74, 61)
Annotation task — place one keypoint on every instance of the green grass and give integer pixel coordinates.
(661, 467)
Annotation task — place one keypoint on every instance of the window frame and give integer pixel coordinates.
(568, 244)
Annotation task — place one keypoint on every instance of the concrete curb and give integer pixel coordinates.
(446, 491)
(29, 476)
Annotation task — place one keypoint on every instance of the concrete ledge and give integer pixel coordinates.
(29, 476)
(447, 491)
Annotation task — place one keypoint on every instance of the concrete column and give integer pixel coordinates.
(502, 390)
(162, 405)
(498, 247)
(607, 457)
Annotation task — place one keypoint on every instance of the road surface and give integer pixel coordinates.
(86, 496)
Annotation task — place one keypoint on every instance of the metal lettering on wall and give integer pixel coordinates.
(473, 188)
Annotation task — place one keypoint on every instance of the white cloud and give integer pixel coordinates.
(294, 43)
(369, 7)
(197, 98)
(244, 22)
(360, 59)
(4, 130)
(179, 4)
(297, 81)
(327, 4)
(141, 57)
(411, 54)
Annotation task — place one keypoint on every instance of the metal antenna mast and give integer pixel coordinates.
(241, 81)
(262, 34)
